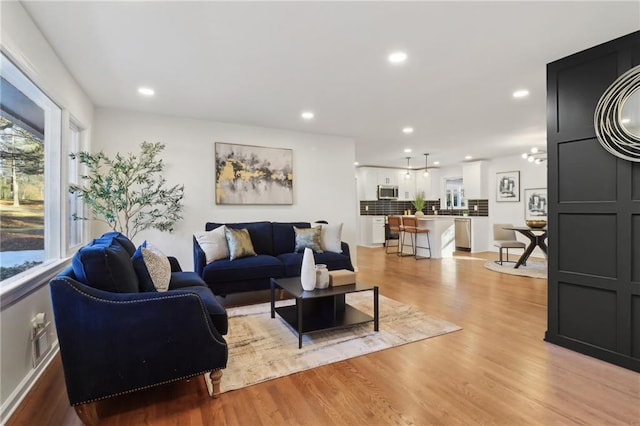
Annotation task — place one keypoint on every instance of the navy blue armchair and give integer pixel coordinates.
(118, 342)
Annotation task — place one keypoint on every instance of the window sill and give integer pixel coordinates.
(14, 290)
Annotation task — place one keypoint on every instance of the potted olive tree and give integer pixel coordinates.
(128, 192)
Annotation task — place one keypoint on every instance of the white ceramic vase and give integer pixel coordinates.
(419, 213)
(322, 276)
(308, 271)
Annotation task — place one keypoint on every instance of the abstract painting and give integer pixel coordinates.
(508, 186)
(247, 174)
(535, 203)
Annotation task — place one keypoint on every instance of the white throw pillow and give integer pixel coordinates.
(158, 266)
(213, 243)
(331, 237)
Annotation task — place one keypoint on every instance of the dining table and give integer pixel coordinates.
(536, 236)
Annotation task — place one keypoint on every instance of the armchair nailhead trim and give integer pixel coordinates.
(145, 387)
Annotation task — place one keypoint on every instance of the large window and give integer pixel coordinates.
(30, 180)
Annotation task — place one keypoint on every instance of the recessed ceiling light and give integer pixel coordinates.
(468, 157)
(521, 93)
(625, 120)
(437, 163)
(525, 155)
(397, 57)
(407, 150)
(307, 115)
(355, 163)
(146, 91)
(407, 130)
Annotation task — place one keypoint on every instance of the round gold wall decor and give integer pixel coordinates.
(610, 129)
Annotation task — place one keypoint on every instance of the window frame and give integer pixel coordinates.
(16, 287)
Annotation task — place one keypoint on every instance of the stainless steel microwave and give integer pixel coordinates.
(387, 192)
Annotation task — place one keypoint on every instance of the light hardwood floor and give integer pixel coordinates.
(497, 370)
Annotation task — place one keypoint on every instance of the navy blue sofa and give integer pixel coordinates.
(274, 244)
(115, 339)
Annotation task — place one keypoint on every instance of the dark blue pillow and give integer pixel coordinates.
(144, 279)
(122, 240)
(106, 265)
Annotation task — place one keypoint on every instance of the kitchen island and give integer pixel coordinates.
(442, 235)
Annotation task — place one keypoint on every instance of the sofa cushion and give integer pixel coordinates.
(246, 268)
(213, 243)
(239, 242)
(293, 262)
(308, 238)
(152, 268)
(284, 237)
(331, 237)
(106, 265)
(122, 240)
(260, 232)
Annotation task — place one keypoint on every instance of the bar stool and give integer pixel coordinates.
(410, 225)
(395, 231)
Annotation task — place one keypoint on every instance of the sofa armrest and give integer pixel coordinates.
(175, 264)
(199, 258)
(113, 343)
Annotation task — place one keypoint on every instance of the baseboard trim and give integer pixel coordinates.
(20, 392)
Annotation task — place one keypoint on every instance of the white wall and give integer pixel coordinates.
(23, 43)
(324, 175)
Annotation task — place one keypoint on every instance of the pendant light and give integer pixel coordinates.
(426, 165)
(408, 174)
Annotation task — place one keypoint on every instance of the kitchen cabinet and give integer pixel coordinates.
(387, 176)
(367, 183)
(371, 230)
(407, 187)
(475, 181)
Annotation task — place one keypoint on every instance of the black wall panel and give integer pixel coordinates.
(635, 314)
(594, 213)
(578, 91)
(596, 168)
(635, 247)
(587, 244)
(635, 181)
(587, 314)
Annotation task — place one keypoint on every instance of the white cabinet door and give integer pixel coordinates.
(367, 183)
(407, 187)
(474, 180)
(387, 176)
(377, 230)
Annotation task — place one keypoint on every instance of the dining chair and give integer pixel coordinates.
(506, 239)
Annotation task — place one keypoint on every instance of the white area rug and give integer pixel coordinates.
(531, 269)
(262, 348)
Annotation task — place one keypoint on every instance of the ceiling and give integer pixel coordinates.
(263, 63)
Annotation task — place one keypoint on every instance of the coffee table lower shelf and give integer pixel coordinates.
(345, 318)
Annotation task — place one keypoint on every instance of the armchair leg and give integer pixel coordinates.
(88, 413)
(212, 381)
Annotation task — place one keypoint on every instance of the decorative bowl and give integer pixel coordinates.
(536, 223)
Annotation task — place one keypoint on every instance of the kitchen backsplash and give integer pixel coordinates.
(395, 207)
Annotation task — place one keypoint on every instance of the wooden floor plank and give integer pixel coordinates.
(497, 370)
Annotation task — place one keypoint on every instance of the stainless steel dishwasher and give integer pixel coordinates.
(463, 234)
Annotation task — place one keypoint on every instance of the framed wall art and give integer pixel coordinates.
(508, 186)
(535, 203)
(247, 174)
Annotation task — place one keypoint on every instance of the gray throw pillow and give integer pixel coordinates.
(308, 237)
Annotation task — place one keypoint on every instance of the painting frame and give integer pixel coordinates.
(508, 187)
(253, 175)
(536, 204)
